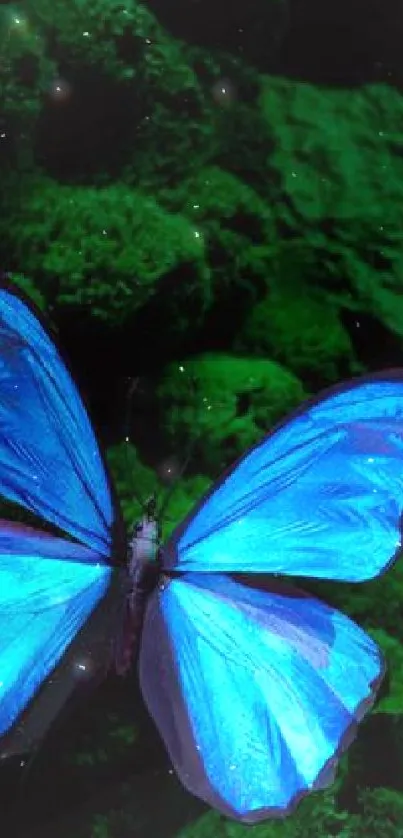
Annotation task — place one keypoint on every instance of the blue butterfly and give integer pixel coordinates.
(255, 692)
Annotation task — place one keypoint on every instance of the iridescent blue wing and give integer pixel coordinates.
(321, 496)
(50, 460)
(58, 603)
(255, 694)
(59, 600)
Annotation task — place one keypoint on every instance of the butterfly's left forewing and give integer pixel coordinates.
(50, 462)
(255, 693)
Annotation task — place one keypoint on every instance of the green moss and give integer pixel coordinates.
(91, 34)
(301, 329)
(333, 147)
(230, 404)
(187, 491)
(136, 481)
(145, 75)
(373, 603)
(237, 227)
(381, 814)
(101, 248)
(337, 167)
(392, 648)
(30, 288)
(317, 816)
(133, 480)
(101, 827)
(26, 73)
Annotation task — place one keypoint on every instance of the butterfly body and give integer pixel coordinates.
(141, 579)
(256, 693)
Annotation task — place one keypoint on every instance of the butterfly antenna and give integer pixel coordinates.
(133, 384)
(183, 468)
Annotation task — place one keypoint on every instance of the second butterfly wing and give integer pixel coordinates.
(320, 496)
(255, 693)
(50, 462)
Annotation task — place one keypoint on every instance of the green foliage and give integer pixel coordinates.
(345, 137)
(185, 494)
(100, 827)
(392, 648)
(29, 288)
(25, 73)
(381, 814)
(101, 248)
(136, 481)
(93, 34)
(377, 602)
(236, 225)
(221, 405)
(141, 67)
(133, 480)
(301, 329)
(317, 816)
(337, 164)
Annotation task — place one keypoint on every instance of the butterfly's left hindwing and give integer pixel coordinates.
(254, 693)
(44, 602)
